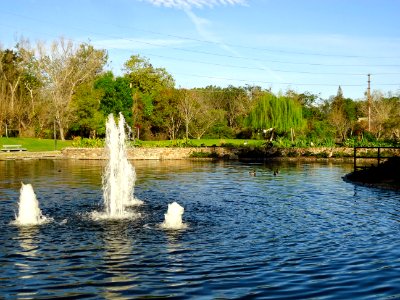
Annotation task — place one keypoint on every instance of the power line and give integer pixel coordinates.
(225, 44)
(254, 59)
(214, 54)
(249, 67)
(266, 69)
(274, 70)
(284, 83)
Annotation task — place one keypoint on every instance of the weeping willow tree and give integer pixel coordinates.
(281, 114)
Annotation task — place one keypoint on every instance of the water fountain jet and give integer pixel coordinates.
(29, 212)
(173, 217)
(119, 176)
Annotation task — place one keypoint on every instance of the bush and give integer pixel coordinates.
(220, 131)
(199, 154)
(322, 155)
(79, 142)
(136, 143)
(293, 154)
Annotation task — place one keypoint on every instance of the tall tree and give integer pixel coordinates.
(87, 120)
(144, 77)
(206, 114)
(166, 121)
(66, 66)
(188, 106)
(18, 87)
(385, 115)
(147, 83)
(342, 114)
(236, 104)
(11, 70)
(115, 95)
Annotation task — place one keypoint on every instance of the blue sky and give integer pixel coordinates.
(304, 45)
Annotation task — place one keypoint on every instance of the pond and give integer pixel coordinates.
(301, 233)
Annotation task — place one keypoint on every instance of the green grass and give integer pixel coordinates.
(201, 142)
(35, 144)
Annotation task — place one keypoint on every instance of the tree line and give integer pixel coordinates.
(65, 89)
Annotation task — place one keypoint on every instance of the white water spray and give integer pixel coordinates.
(173, 217)
(119, 177)
(29, 212)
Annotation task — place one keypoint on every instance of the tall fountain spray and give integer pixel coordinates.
(119, 176)
(29, 212)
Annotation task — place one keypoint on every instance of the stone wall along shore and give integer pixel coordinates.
(167, 153)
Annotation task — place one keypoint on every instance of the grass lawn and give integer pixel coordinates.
(35, 144)
(201, 142)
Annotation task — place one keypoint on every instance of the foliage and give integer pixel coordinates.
(279, 113)
(79, 142)
(64, 67)
(202, 143)
(65, 85)
(115, 95)
(88, 120)
(200, 154)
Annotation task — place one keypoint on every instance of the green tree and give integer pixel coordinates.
(115, 95)
(147, 84)
(166, 122)
(144, 77)
(235, 101)
(282, 114)
(88, 120)
(206, 114)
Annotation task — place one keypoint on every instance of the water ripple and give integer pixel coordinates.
(301, 234)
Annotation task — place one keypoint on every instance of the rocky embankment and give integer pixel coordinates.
(30, 155)
(166, 153)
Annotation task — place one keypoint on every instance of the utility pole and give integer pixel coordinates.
(369, 102)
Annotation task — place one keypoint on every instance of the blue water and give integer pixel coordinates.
(302, 234)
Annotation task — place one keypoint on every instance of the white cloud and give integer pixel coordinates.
(202, 25)
(189, 4)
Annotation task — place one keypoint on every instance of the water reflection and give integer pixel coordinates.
(117, 256)
(26, 264)
(28, 241)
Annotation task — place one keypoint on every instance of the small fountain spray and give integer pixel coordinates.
(29, 212)
(173, 217)
(119, 176)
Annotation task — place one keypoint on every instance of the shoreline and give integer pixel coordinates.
(184, 154)
(193, 153)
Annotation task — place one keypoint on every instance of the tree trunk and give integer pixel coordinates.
(292, 134)
(61, 129)
(62, 137)
(272, 135)
(187, 130)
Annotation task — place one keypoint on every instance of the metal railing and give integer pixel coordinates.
(379, 155)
